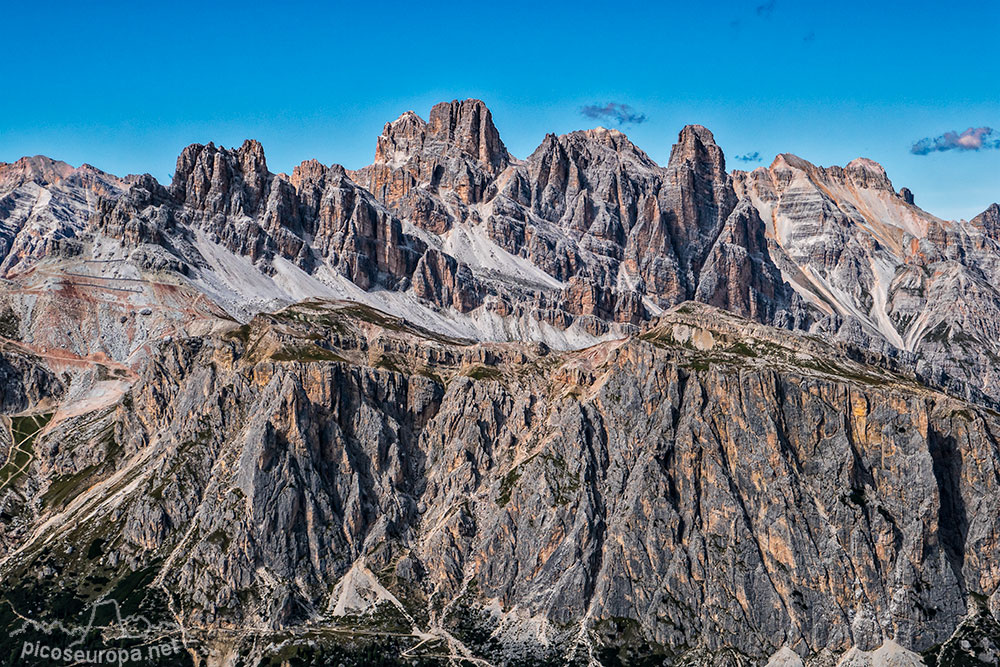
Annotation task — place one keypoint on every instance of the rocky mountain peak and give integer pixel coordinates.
(861, 172)
(219, 180)
(429, 171)
(465, 125)
(251, 156)
(401, 137)
(989, 222)
(906, 195)
(253, 165)
(610, 137)
(39, 169)
(696, 144)
(990, 216)
(784, 161)
(867, 173)
(468, 125)
(616, 141)
(87, 168)
(866, 165)
(597, 144)
(309, 170)
(44, 203)
(696, 132)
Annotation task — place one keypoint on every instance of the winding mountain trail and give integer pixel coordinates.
(10, 470)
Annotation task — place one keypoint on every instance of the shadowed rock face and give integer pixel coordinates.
(216, 181)
(349, 229)
(318, 216)
(738, 275)
(627, 219)
(423, 170)
(468, 125)
(440, 279)
(698, 197)
(588, 205)
(25, 382)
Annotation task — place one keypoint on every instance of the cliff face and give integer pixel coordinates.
(738, 274)
(712, 485)
(601, 208)
(588, 205)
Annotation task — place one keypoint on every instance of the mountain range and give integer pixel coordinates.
(457, 406)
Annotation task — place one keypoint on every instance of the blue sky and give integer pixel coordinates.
(125, 86)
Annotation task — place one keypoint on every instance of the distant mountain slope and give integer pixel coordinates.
(854, 248)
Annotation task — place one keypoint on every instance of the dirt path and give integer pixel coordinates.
(16, 447)
(64, 356)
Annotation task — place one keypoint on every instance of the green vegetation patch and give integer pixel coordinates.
(335, 648)
(742, 349)
(427, 372)
(313, 314)
(241, 333)
(507, 485)
(10, 324)
(66, 487)
(663, 338)
(622, 642)
(28, 426)
(220, 539)
(388, 364)
(24, 430)
(837, 370)
(483, 373)
(306, 353)
(368, 314)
